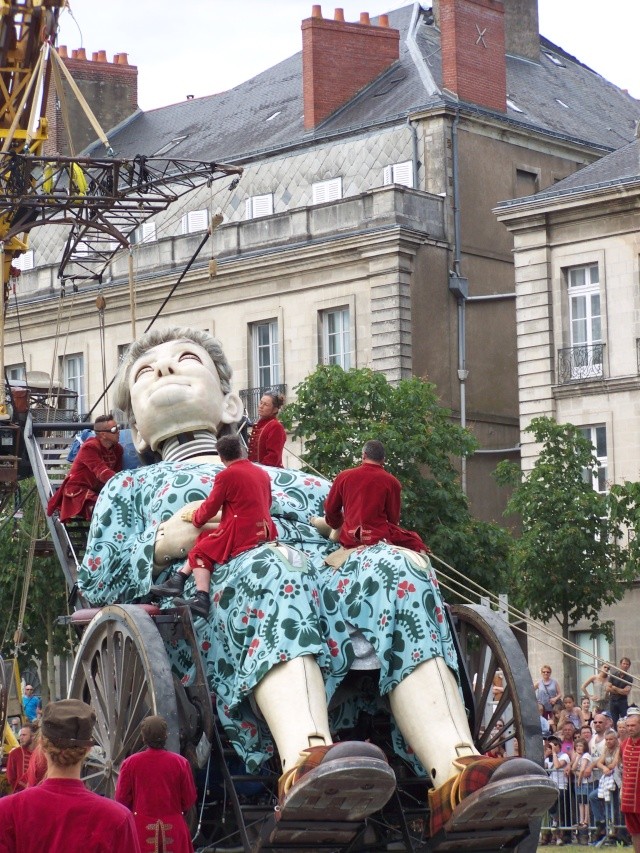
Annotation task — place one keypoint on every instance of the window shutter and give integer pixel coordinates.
(148, 232)
(330, 190)
(387, 175)
(263, 205)
(403, 173)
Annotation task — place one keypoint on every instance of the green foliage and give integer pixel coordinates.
(570, 560)
(337, 411)
(47, 593)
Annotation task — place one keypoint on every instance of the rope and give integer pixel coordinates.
(24, 358)
(461, 588)
(20, 111)
(37, 514)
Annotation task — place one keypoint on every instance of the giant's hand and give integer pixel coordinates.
(176, 536)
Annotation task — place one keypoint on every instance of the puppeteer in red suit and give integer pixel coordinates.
(157, 786)
(243, 492)
(364, 504)
(268, 436)
(97, 461)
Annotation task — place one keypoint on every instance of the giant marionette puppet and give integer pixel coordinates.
(277, 637)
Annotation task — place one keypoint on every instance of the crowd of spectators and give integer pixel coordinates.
(583, 755)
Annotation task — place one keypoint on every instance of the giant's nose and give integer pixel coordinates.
(164, 366)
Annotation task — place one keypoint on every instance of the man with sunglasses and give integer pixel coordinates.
(98, 459)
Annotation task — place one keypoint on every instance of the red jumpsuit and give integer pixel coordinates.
(92, 467)
(158, 787)
(365, 502)
(630, 794)
(267, 442)
(62, 816)
(18, 762)
(243, 491)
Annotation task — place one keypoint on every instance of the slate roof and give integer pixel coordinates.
(265, 113)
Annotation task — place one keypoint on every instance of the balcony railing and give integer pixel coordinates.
(579, 363)
(251, 397)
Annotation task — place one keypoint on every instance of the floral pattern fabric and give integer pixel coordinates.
(269, 607)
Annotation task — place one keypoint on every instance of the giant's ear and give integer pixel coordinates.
(232, 408)
(138, 441)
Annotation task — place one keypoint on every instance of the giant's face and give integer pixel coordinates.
(175, 388)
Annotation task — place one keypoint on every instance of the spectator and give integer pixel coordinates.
(570, 712)
(587, 713)
(630, 797)
(19, 759)
(621, 728)
(581, 770)
(607, 791)
(157, 786)
(618, 690)
(567, 734)
(560, 766)
(97, 461)
(60, 815)
(544, 723)
(554, 719)
(31, 704)
(268, 436)
(598, 683)
(547, 690)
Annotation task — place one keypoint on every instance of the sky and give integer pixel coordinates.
(200, 47)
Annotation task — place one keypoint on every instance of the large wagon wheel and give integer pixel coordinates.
(123, 672)
(486, 644)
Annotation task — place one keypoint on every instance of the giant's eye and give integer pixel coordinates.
(145, 368)
(190, 355)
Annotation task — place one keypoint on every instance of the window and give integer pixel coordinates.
(585, 321)
(15, 372)
(399, 173)
(24, 262)
(266, 354)
(335, 341)
(194, 220)
(330, 190)
(146, 233)
(259, 205)
(73, 378)
(591, 647)
(597, 435)
(526, 183)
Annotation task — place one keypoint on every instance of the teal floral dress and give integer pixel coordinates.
(268, 608)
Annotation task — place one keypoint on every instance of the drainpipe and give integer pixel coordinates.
(414, 152)
(459, 286)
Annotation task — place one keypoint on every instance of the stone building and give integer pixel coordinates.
(361, 232)
(577, 272)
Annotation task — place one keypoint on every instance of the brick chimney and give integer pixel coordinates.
(110, 89)
(521, 27)
(339, 59)
(472, 36)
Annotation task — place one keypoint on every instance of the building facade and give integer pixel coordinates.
(577, 272)
(361, 232)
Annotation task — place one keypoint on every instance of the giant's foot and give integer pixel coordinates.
(325, 796)
(491, 793)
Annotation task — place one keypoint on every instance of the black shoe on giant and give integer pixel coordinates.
(173, 586)
(200, 604)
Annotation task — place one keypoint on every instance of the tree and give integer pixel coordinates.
(337, 411)
(42, 638)
(571, 559)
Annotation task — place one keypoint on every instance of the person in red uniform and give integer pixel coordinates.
(364, 504)
(243, 492)
(19, 759)
(268, 436)
(157, 786)
(97, 461)
(630, 795)
(60, 815)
